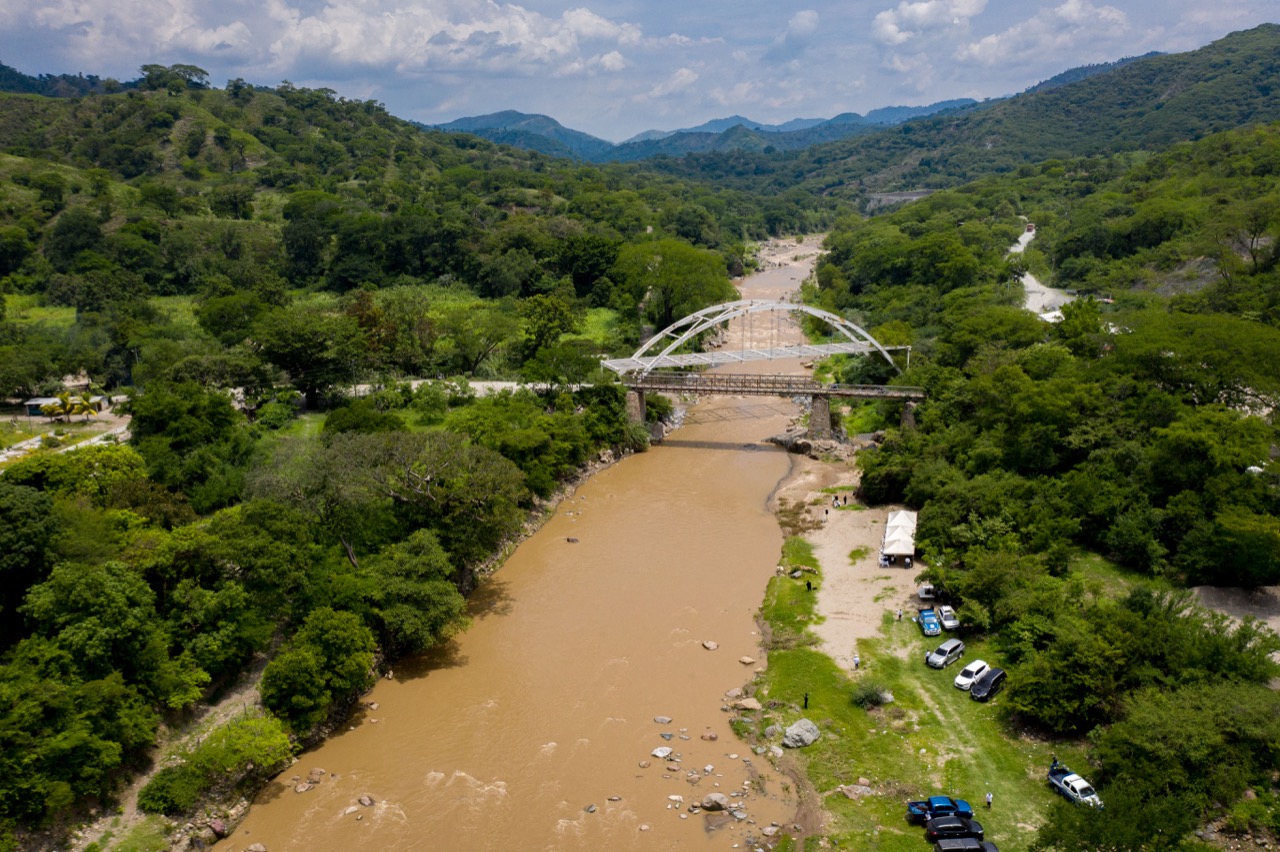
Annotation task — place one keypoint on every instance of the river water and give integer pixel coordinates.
(546, 706)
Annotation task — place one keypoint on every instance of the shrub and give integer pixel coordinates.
(276, 415)
(868, 693)
(173, 790)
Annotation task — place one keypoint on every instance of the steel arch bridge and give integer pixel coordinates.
(647, 358)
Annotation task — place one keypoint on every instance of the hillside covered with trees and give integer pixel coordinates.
(1140, 429)
(237, 260)
(1146, 104)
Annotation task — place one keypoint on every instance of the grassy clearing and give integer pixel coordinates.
(180, 310)
(25, 309)
(600, 326)
(1104, 577)
(150, 835)
(932, 739)
(858, 554)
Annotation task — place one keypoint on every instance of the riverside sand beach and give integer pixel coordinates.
(854, 596)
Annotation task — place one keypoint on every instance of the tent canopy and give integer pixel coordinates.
(900, 534)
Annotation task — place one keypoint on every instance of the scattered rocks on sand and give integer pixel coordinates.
(662, 752)
(710, 646)
(662, 720)
(710, 736)
(749, 704)
(366, 800)
(255, 847)
(736, 692)
(801, 734)
(303, 787)
(747, 661)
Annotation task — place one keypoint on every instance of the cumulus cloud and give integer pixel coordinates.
(1051, 32)
(795, 38)
(679, 81)
(281, 35)
(910, 20)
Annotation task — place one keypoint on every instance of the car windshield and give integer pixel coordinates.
(1085, 791)
(972, 670)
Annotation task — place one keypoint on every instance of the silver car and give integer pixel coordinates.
(945, 654)
(970, 673)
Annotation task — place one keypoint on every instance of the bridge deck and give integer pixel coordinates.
(763, 385)
(738, 356)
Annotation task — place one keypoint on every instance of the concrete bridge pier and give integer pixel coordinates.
(635, 406)
(820, 417)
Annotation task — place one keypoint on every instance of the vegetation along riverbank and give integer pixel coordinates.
(237, 260)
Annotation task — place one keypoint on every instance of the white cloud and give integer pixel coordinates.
(679, 81)
(612, 61)
(1063, 31)
(910, 20)
(278, 35)
(795, 38)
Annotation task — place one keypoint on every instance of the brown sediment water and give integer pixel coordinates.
(529, 731)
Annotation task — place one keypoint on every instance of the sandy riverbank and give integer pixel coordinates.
(855, 594)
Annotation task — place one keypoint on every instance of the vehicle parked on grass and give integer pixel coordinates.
(937, 806)
(988, 685)
(942, 828)
(1072, 787)
(964, 844)
(970, 673)
(947, 616)
(929, 624)
(945, 654)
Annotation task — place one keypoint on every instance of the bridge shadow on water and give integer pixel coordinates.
(745, 411)
(716, 445)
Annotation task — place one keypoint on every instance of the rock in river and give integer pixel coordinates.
(715, 802)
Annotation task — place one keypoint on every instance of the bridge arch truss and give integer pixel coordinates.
(661, 350)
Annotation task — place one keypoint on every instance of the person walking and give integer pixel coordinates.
(899, 613)
(806, 706)
(857, 662)
(989, 800)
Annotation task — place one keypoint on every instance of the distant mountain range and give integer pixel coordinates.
(548, 136)
(735, 133)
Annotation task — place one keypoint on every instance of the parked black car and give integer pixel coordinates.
(964, 844)
(941, 828)
(988, 685)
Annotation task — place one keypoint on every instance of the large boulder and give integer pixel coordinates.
(801, 734)
(715, 802)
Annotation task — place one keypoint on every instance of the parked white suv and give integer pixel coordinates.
(970, 673)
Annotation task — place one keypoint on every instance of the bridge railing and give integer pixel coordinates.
(764, 385)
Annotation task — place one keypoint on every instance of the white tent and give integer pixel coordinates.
(900, 534)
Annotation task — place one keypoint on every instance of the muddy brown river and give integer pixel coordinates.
(531, 730)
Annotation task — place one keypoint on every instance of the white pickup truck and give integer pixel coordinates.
(1072, 787)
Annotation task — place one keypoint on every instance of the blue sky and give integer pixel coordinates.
(614, 68)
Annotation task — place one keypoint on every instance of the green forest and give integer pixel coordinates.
(1140, 428)
(258, 273)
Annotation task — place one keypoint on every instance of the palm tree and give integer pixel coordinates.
(63, 408)
(68, 405)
